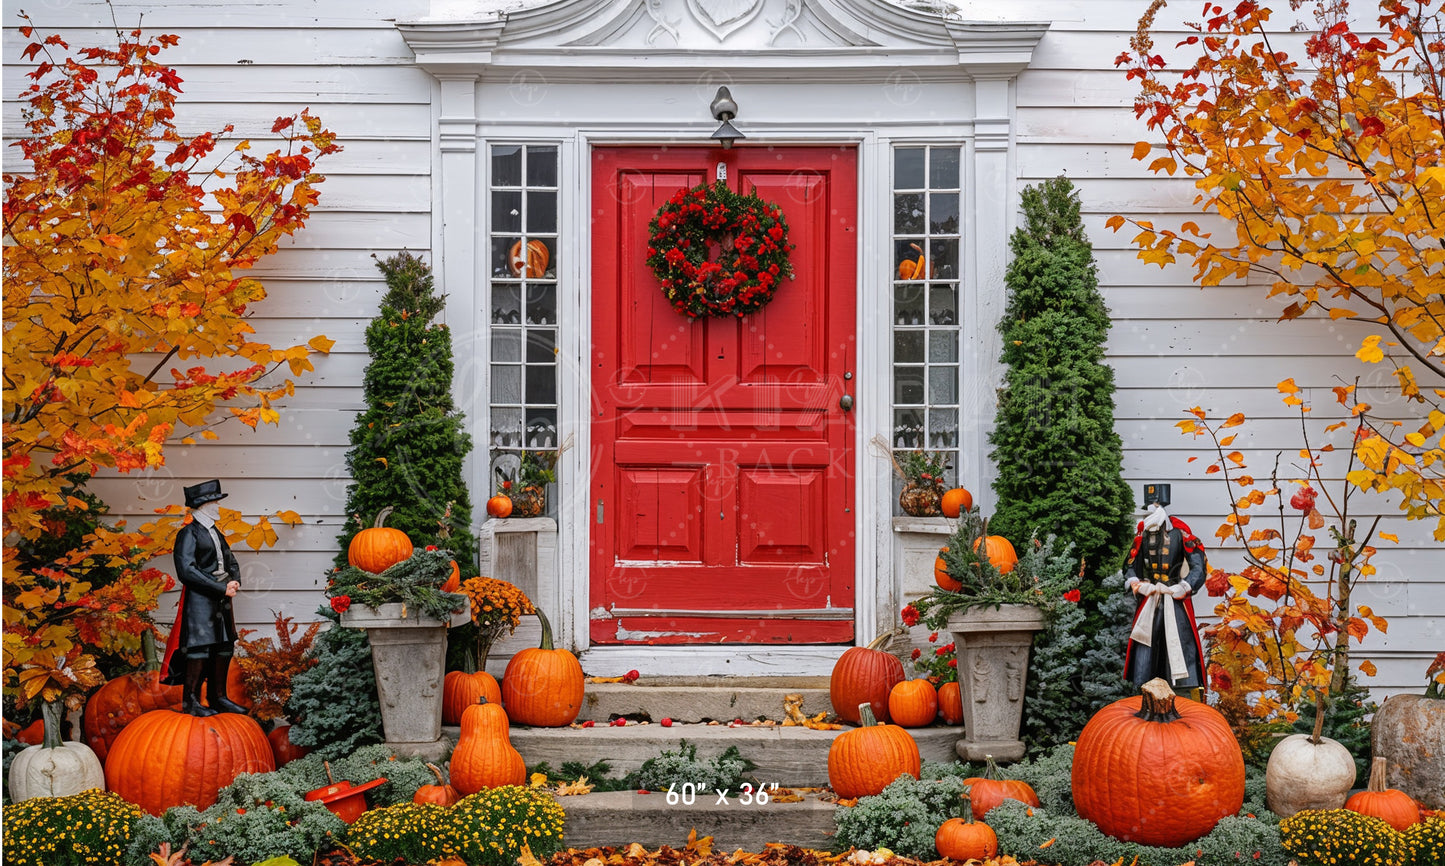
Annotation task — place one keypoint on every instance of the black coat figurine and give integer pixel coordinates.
(1164, 569)
(203, 638)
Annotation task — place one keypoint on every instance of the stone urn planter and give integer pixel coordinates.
(993, 662)
(408, 653)
(1409, 730)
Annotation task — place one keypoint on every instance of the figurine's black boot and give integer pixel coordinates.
(191, 689)
(216, 687)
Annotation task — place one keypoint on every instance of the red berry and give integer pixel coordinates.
(589, 723)
(667, 723)
(631, 676)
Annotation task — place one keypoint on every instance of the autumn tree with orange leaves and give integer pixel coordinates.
(1330, 172)
(126, 326)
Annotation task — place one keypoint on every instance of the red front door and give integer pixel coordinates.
(721, 505)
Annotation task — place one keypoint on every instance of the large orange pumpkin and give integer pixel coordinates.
(125, 698)
(543, 686)
(987, 791)
(913, 703)
(380, 547)
(863, 761)
(864, 675)
(956, 501)
(1390, 805)
(950, 703)
(998, 550)
(941, 575)
(484, 756)
(1157, 769)
(166, 758)
(460, 690)
(964, 839)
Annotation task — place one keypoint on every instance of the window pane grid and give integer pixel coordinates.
(927, 209)
(523, 201)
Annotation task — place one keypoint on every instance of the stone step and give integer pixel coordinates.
(694, 699)
(619, 818)
(793, 756)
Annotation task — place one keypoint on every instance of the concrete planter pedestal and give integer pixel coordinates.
(993, 663)
(409, 655)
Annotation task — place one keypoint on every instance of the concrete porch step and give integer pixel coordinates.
(788, 756)
(619, 818)
(694, 699)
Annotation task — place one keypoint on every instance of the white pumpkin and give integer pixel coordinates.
(1304, 774)
(53, 768)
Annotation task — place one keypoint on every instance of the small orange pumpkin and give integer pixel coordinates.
(453, 582)
(964, 839)
(1390, 805)
(913, 703)
(500, 506)
(484, 756)
(998, 551)
(956, 502)
(941, 575)
(908, 269)
(282, 749)
(987, 791)
(461, 689)
(864, 674)
(542, 685)
(534, 263)
(865, 760)
(441, 793)
(950, 703)
(378, 548)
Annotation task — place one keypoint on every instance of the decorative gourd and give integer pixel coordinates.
(460, 690)
(380, 547)
(909, 269)
(283, 751)
(950, 703)
(1308, 771)
(964, 839)
(987, 791)
(913, 703)
(166, 758)
(864, 675)
(543, 686)
(1390, 805)
(998, 551)
(956, 502)
(54, 768)
(1408, 730)
(484, 757)
(863, 761)
(534, 263)
(1157, 769)
(125, 698)
(941, 575)
(499, 506)
(441, 793)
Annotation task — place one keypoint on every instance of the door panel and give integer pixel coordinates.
(722, 465)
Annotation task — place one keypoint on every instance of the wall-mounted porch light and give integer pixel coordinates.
(725, 109)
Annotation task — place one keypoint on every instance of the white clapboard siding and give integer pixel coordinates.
(1174, 345)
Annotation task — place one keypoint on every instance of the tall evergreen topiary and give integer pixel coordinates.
(407, 448)
(1059, 459)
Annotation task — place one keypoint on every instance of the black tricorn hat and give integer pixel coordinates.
(206, 491)
(1156, 493)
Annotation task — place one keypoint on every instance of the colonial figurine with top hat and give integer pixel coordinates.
(1164, 569)
(203, 638)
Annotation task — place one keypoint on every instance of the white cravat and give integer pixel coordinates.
(210, 525)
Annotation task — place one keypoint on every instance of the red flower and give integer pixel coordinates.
(341, 603)
(1072, 596)
(915, 654)
(933, 638)
(431, 547)
(953, 663)
(910, 615)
